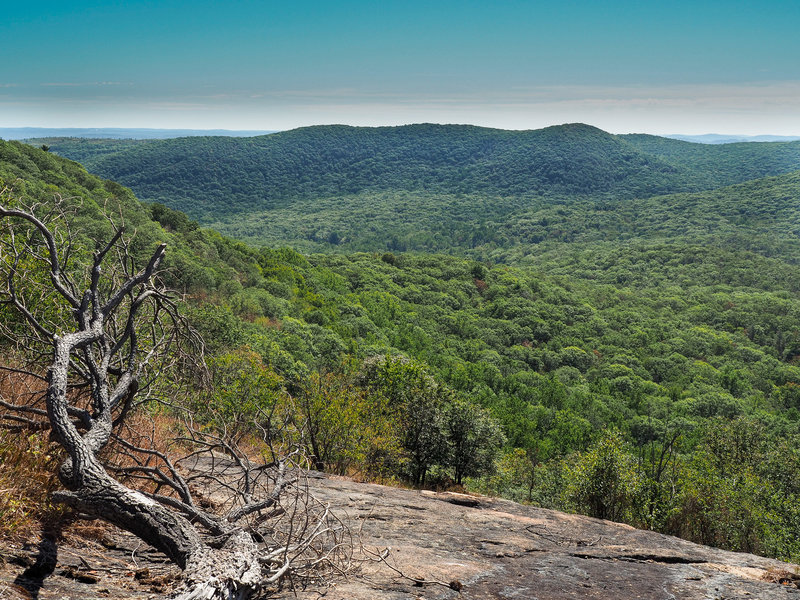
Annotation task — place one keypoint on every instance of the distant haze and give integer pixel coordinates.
(24, 133)
(28, 133)
(716, 138)
(625, 66)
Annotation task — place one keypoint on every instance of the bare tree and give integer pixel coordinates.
(105, 333)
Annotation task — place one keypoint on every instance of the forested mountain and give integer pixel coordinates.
(732, 163)
(716, 138)
(420, 187)
(264, 172)
(640, 361)
(762, 215)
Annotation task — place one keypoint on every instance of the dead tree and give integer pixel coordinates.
(104, 332)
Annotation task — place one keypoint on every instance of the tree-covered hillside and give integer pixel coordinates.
(420, 187)
(747, 160)
(85, 150)
(197, 174)
(760, 215)
(642, 379)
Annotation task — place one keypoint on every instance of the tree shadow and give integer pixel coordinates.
(32, 578)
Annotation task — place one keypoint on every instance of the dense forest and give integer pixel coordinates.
(421, 187)
(596, 347)
(431, 188)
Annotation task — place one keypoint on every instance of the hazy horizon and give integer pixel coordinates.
(623, 66)
(23, 133)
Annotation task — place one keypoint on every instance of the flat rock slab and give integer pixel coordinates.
(116, 565)
(474, 547)
(500, 549)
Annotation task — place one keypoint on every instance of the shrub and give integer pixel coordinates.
(605, 482)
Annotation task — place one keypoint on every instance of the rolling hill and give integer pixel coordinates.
(220, 176)
(420, 187)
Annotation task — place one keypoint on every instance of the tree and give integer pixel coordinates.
(605, 482)
(474, 439)
(419, 402)
(106, 331)
(342, 426)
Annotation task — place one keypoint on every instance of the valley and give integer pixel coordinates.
(585, 322)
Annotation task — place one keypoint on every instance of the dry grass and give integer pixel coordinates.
(27, 478)
(782, 577)
(28, 461)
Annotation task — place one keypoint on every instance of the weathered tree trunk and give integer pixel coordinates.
(232, 572)
(98, 345)
(103, 497)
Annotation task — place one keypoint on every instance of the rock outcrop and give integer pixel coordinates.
(446, 546)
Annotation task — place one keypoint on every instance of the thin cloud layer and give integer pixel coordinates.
(748, 109)
(623, 65)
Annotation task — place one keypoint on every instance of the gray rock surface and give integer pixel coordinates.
(489, 548)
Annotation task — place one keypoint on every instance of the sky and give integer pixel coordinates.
(662, 67)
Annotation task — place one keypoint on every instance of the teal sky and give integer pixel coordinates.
(661, 67)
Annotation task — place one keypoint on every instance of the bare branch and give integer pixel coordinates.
(139, 279)
(218, 506)
(55, 266)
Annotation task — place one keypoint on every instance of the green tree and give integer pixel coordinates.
(420, 402)
(343, 427)
(248, 397)
(605, 481)
(474, 438)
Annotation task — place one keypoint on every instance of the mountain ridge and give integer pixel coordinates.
(462, 176)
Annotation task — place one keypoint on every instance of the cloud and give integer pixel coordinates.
(176, 106)
(82, 83)
(765, 107)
